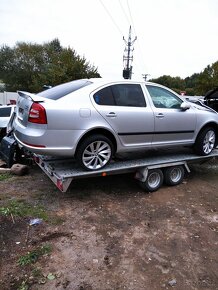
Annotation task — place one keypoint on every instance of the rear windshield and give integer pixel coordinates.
(5, 112)
(60, 91)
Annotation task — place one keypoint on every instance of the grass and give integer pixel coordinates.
(23, 209)
(32, 256)
(23, 286)
(5, 176)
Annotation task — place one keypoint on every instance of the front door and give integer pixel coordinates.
(172, 124)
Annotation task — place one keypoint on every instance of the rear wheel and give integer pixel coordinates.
(205, 141)
(174, 175)
(95, 152)
(153, 181)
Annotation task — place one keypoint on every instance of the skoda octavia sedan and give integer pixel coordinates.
(93, 119)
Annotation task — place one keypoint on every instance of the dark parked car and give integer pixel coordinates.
(211, 99)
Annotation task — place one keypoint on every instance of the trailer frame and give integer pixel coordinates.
(62, 171)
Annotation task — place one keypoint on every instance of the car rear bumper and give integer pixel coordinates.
(47, 145)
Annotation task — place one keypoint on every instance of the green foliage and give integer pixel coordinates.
(23, 209)
(23, 286)
(5, 176)
(196, 84)
(208, 79)
(28, 66)
(33, 256)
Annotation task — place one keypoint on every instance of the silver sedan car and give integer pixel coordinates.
(93, 119)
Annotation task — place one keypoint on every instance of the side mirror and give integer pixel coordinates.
(185, 106)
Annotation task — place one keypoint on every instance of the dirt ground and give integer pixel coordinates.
(106, 233)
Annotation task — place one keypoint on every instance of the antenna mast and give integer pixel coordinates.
(128, 56)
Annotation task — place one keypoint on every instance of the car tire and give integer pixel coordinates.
(95, 152)
(153, 181)
(205, 141)
(174, 175)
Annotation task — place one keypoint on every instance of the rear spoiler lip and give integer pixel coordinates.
(32, 97)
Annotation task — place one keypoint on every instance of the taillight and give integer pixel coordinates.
(37, 114)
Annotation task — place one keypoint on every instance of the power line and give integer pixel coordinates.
(124, 12)
(111, 17)
(130, 14)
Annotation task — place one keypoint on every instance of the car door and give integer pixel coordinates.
(172, 124)
(124, 108)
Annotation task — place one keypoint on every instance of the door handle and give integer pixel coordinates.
(160, 116)
(111, 115)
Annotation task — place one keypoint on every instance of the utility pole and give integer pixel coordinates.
(145, 76)
(127, 56)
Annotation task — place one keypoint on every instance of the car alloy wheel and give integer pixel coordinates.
(209, 142)
(205, 141)
(95, 152)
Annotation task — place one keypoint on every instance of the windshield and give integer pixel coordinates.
(62, 90)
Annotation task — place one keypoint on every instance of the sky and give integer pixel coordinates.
(174, 37)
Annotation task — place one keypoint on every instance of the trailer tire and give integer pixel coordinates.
(153, 181)
(95, 152)
(174, 175)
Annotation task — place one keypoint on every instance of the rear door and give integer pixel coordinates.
(125, 109)
(172, 124)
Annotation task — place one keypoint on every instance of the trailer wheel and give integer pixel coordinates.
(174, 175)
(153, 181)
(95, 152)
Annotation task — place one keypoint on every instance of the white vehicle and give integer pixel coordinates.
(5, 115)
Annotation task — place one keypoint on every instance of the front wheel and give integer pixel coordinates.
(205, 141)
(95, 152)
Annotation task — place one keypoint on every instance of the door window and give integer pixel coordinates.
(128, 95)
(163, 98)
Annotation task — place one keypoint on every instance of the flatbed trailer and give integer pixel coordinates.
(151, 170)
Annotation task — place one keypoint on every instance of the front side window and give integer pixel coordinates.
(163, 98)
(128, 95)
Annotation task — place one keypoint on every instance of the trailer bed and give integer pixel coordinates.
(63, 170)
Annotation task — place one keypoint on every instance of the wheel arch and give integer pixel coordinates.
(212, 125)
(97, 131)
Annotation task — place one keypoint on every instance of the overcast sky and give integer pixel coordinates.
(174, 37)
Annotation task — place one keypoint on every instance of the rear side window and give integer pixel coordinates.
(105, 97)
(128, 95)
(5, 112)
(62, 90)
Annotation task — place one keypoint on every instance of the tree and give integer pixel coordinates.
(196, 84)
(208, 79)
(28, 66)
(175, 83)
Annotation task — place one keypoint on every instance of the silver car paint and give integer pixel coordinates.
(69, 120)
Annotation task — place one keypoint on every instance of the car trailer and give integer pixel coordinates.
(151, 171)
